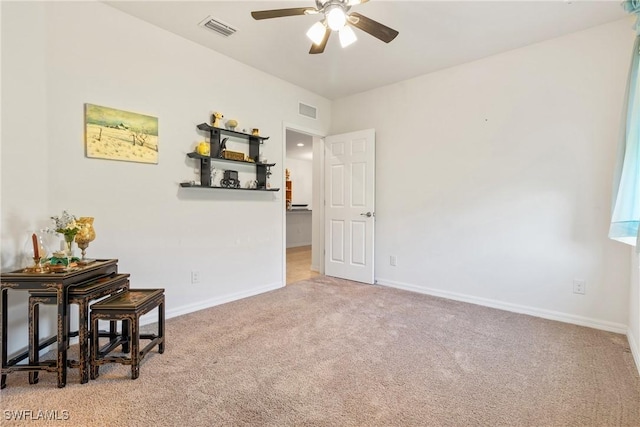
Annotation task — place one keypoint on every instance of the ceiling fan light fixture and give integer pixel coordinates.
(316, 32)
(347, 36)
(336, 17)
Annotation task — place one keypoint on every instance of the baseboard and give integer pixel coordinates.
(516, 308)
(201, 305)
(635, 350)
(299, 245)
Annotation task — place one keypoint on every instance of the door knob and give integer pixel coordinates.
(368, 214)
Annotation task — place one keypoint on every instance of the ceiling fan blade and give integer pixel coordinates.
(279, 13)
(372, 27)
(319, 48)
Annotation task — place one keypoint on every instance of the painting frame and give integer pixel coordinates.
(114, 134)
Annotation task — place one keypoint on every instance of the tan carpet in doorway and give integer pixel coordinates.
(328, 352)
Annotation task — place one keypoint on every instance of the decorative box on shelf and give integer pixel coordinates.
(233, 155)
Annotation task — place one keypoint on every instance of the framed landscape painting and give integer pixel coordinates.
(120, 135)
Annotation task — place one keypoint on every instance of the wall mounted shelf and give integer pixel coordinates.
(262, 170)
(190, 185)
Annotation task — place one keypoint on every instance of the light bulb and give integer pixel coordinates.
(347, 36)
(336, 17)
(316, 32)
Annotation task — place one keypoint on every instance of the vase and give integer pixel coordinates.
(86, 234)
(68, 246)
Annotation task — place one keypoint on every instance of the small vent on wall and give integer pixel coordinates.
(218, 26)
(307, 110)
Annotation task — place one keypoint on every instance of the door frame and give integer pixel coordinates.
(318, 211)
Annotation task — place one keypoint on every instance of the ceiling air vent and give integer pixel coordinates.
(307, 110)
(218, 26)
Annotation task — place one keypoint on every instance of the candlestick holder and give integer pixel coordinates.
(37, 267)
(35, 253)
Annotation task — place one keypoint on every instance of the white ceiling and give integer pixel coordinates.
(433, 35)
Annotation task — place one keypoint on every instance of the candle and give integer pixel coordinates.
(36, 247)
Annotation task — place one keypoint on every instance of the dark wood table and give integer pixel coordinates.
(20, 280)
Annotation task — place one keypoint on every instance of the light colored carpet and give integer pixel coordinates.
(327, 352)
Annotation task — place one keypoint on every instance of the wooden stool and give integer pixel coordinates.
(82, 295)
(127, 306)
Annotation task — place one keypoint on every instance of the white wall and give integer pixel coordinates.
(301, 175)
(58, 56)
(24, 150)
(494, 177)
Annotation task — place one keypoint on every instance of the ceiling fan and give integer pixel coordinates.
(336, 18)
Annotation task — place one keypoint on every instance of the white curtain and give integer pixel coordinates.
(625, 217)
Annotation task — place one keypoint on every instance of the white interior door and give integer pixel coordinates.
(349, 219)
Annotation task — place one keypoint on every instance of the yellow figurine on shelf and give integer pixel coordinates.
(216, 119)
(204, 148)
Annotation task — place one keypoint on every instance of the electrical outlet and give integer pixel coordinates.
(393, 260)
(195, 277)
(579, 286)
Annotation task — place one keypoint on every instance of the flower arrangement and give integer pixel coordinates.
(66, 225)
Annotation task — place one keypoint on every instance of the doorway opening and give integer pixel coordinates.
(304, 239)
